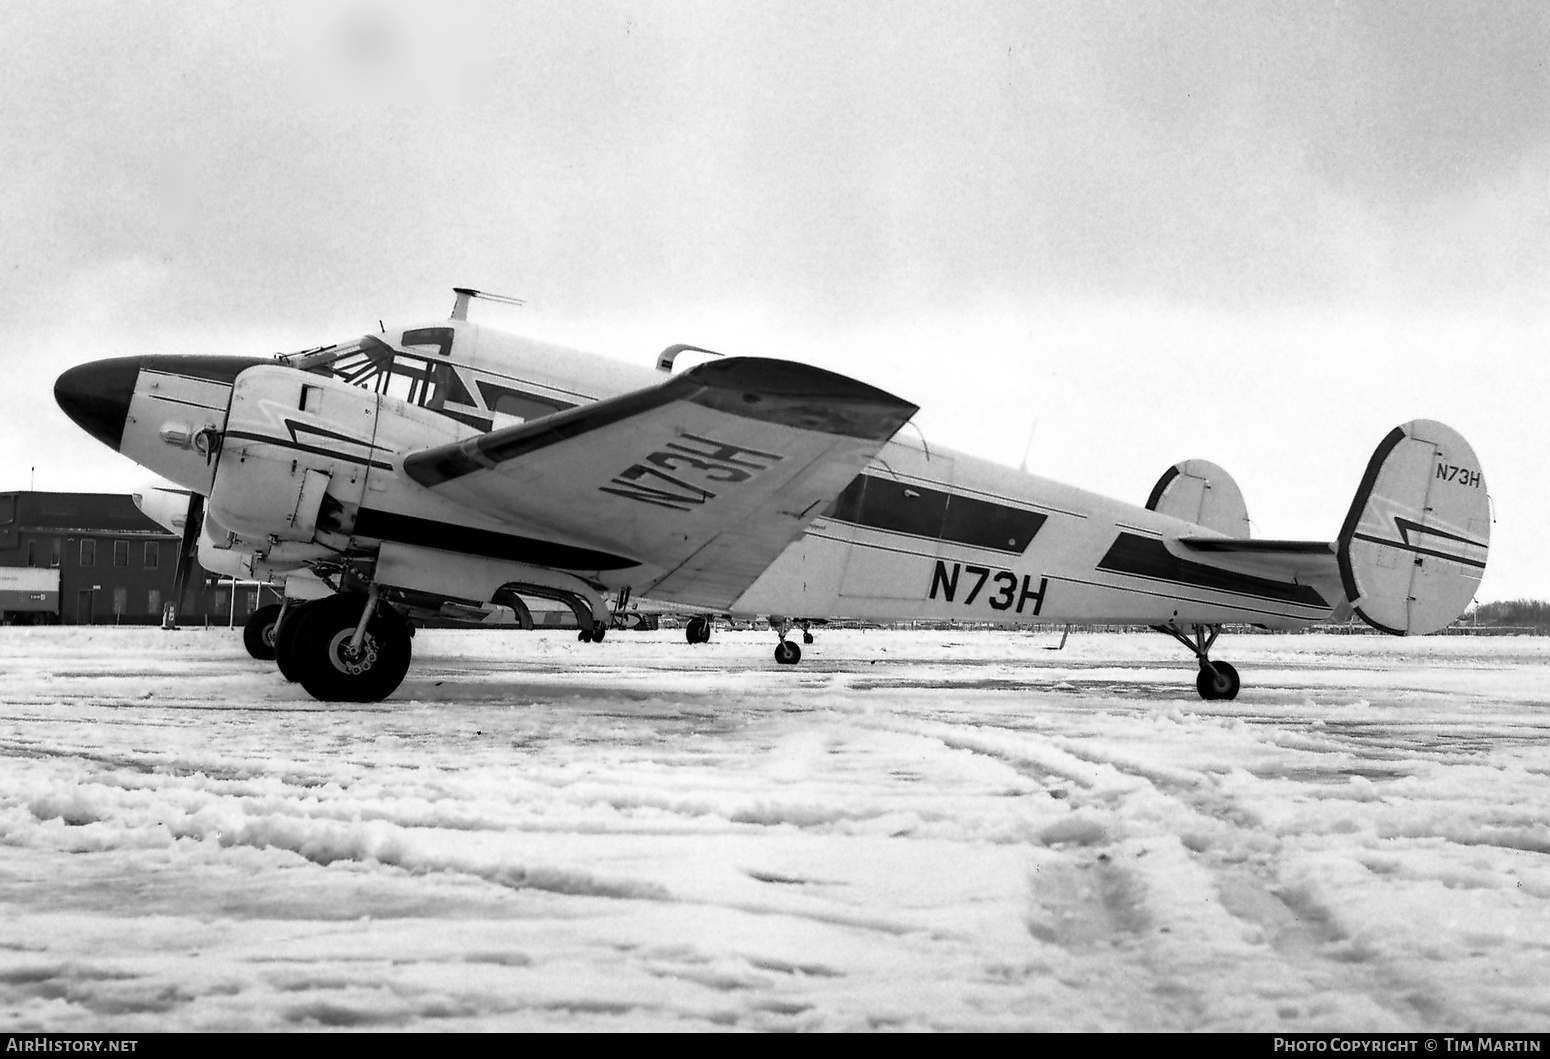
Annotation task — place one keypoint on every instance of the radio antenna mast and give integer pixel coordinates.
(465, 295)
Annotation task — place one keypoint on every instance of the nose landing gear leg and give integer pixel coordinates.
(1216, 680)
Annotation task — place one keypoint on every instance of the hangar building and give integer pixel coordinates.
(94, 559)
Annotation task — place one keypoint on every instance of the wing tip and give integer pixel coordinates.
(800, 395)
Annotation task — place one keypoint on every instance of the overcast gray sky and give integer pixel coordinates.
(1263, 234)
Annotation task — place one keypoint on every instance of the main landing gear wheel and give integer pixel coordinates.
(697, 630)
(285, 640)
(787, 653)
(592, 635)
(1217, 680)
(258, 633)
(331, 671)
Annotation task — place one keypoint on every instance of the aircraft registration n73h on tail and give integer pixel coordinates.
(442, 467)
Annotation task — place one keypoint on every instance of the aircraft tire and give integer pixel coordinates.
(258, 633)
(1220, 684)
(322, 642)
(787, 653)
(698, 630)
(285, 641)
(807, 637)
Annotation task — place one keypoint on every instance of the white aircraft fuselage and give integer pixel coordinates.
(420, 461)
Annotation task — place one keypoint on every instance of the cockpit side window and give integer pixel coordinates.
(438, 337)
(415, 372)
(511, 402)
(374, 365)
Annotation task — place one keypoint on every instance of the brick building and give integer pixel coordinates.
(94, 559)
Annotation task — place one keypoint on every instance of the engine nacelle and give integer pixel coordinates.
(292, 439)
(163, 503)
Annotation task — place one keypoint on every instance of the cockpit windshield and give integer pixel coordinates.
(419, 370)
(412, 372)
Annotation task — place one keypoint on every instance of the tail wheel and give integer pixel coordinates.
(258, 633)
(285, 641)
(1217, 680)
(331, 671)
(787, 653)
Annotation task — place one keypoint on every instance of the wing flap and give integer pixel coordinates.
(704, 479)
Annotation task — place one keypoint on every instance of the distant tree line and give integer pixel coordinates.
(1516, 612)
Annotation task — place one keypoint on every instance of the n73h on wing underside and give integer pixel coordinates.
(440, 468)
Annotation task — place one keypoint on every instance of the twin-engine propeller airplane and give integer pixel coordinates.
(448, 468)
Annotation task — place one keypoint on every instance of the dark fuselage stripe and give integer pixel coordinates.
(1191, 599)
(191, 404)
(287, 443)
(1144, 557)
(427, 533)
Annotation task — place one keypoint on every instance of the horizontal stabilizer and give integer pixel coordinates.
(1302, 562)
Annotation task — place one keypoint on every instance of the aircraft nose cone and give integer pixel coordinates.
(97, 395)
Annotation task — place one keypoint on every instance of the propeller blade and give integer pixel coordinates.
(188, 548)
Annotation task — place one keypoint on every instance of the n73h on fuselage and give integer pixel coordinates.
(438, 468)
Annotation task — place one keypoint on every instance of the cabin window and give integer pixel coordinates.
(505, 400)
(121, 554)
(88, 553)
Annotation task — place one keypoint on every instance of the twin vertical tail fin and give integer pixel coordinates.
(1413, 547)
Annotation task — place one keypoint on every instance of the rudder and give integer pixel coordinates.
(1413, 546)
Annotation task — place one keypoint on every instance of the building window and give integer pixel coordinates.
(120, 601)
(53, 555)
(153, 601)
(152, 555)
(88, 553)
(252, 601)
(32, 553)
(121, 553)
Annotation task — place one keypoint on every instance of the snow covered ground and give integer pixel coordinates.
(909, 830)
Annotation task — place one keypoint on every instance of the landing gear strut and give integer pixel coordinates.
(786, 652)
(258, 633)
(1216, 680)
(286, 624)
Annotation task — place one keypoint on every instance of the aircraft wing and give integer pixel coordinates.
(1300, 562)
(707, 477)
